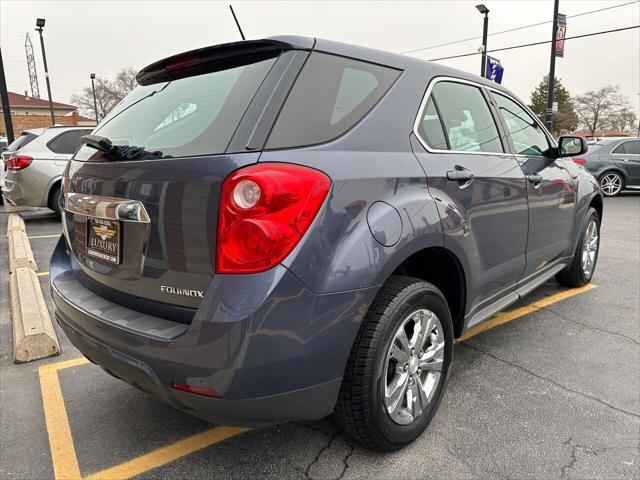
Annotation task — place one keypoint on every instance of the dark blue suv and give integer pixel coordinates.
(281, 229)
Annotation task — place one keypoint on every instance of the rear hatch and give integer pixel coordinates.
(143, 228)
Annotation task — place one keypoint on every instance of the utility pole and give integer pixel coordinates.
(552, 67)
(237, 23)
(485, 31)
(40, 24)
(95, 104)
(4, 97)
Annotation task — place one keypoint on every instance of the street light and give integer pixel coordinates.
(40, 24)
(93, 87)
(484, 11)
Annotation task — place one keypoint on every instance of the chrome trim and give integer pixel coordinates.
(107, 208)
(425, 99)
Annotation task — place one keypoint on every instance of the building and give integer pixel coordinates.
(29, 112)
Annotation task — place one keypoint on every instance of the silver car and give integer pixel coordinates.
(34, 163)
(616, 165)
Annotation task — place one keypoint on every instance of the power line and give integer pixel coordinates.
(602, 32)
(516, 28)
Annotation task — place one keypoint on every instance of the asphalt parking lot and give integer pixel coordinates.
(552, 391)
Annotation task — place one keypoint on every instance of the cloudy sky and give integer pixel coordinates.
(104, 36)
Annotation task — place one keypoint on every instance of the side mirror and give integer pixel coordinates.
(570, 146)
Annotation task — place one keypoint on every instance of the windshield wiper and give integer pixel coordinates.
(118, 152)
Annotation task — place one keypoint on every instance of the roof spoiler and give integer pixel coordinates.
(217, 57)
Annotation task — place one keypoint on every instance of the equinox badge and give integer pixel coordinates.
(182, 291)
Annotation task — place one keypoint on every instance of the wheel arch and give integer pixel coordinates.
(442, 268)
(51, 188)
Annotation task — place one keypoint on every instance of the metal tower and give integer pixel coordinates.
(31, 66)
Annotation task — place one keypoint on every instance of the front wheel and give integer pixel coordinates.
(583, 265)
(398, 367)
(611, 183)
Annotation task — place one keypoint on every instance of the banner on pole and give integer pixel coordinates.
(561, 33)
(494, 69)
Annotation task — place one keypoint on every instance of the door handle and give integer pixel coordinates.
(535, 179)
(462, 175)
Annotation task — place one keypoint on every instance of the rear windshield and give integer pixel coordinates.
(22, 140)
(331, 95)
(191, 116)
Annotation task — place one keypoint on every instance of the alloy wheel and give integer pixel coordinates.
(414, 366)
(611, 184)
(589, 248)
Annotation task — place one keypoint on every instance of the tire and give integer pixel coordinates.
(54, 199)
(362, 409)
(611, 183)
(576, 274)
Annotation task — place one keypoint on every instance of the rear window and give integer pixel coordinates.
(191, 116)
(629, 147)
(331, 95)
(24, 139)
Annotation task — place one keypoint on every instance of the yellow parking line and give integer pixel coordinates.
(167, 454)
(53, 235)
(504, 317)
(42, 274)
(63, 452)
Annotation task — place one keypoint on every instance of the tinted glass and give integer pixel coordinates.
(632, 147)
(67, 142)
(331, 95)
(527, 136)
(430, 127)
(191, 116)
(22, 140)
(466, 117)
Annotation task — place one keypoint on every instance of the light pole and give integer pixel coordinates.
(40, 24)
(485, 29)
(95, 104)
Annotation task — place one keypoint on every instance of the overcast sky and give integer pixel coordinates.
(104, 36)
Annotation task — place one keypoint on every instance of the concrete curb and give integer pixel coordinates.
(33, 333)
(20, 253)
(15, 223)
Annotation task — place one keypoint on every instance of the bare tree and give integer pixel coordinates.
(595, 108)
(108, 93)
(623, 119)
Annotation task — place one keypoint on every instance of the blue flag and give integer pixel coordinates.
(494, 69)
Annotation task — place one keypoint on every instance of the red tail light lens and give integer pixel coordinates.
(207, 392)
(265, 210)
(579, 161)
(18, 162)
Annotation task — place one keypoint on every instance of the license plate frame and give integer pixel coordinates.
(104, 240)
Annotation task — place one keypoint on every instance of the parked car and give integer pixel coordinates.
(34, 164)
(279, 229)
(616, 165)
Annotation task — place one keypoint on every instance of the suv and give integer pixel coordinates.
(616, 165)
(34, 163)
(279, 229)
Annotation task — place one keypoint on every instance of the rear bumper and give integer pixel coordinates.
(273, 350)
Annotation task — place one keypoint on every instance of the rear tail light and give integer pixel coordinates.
(265, 210)
(207, 392)
(18, 162)
(579, 161)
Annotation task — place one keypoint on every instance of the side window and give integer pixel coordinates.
(629, 147)
(465, 117)
(430, 127)
(632, 147)
(331, 95)
(527, 136)
(67, 142)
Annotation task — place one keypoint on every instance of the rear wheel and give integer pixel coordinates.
(611, 183)
(581, 270)
(54, 199)
(398, 367)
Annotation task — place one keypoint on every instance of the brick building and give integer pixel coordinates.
(28, 112)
